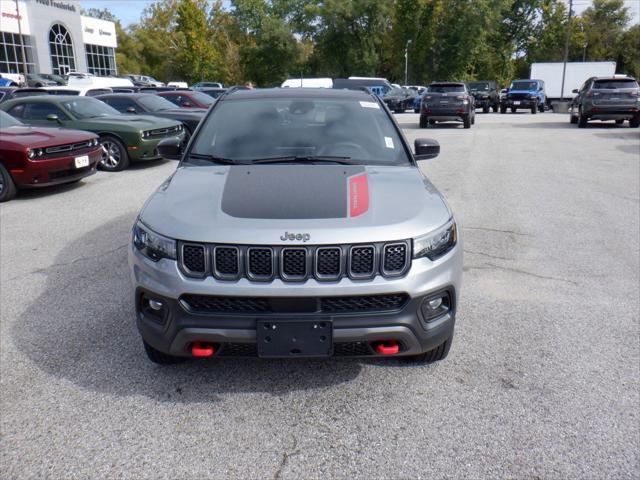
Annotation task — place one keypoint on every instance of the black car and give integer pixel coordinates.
(400, 99)
(486, 95)
(149, 104)
(607, 98)
(447, 102)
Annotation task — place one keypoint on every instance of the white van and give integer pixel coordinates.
(307, 83)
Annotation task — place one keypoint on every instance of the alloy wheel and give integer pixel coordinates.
(111, 156)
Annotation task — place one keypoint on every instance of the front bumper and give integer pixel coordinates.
(146, 149)
(353, 332)
(483, 102)
(53, 171)
(519, 103)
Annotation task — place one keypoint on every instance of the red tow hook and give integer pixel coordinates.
(387, 347)
(201, 349)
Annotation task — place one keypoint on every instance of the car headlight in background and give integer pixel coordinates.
(153, 245)
(437, 243)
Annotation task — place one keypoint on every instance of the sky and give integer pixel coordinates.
(129, 11)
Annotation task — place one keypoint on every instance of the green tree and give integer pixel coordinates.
(604, 25)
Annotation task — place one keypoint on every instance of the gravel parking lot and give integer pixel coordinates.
(542, 381)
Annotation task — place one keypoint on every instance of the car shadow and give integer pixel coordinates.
(81, 329)
(143, 164)
(39, 192)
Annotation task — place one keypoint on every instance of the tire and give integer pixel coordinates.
(114, 156)
(8, 188)
(432, 356)
(503, 109)
(160, 358)
(416, 110)
(473, 119)
(541, 107)
(573, 119)
(582, 120)
(424, 121)
(485, 109)
(513, 109)
(467, 122)
(496, 107)
(619, 122)
(635, 122)
(534, 108)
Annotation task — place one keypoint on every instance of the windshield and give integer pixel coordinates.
(153, 103)
(87, 107)
(524, 86)
(245, 130)
(202, 98)
(479, 86)
(7, 120)
(445, 88)
(394, 91)
(613, 84)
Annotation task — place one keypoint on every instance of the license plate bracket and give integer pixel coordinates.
(82, 161)
(294, 338)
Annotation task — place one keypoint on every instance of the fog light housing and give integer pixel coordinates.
(435, 306)
(153, 308)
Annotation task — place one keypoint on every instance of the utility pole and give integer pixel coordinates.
(24, 58)
(566, 50)
(406, 62)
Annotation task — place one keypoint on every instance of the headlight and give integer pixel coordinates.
(437, 243)
(533, 97)
(31, 153)
(484, 97)
(152, 244)
(465, 102)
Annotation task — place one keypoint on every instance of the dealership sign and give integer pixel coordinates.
(98, 32)
(9, 17)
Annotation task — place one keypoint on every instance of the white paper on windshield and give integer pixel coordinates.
(388, 141)
(369, 105)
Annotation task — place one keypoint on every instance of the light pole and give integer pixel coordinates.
(24, 58)
(406, 62)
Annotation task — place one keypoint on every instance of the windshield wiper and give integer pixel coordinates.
(215, 159)
(304, 158)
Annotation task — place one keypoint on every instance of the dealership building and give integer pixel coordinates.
(55, 38)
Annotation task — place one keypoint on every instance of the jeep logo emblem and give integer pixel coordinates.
(304, 237)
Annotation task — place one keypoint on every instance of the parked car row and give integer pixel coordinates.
(50, 137)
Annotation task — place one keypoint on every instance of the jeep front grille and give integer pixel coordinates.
(295, 264)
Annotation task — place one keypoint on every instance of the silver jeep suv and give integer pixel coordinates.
(297, 224)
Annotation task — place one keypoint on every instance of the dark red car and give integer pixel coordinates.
(38, 157)
(188, 98)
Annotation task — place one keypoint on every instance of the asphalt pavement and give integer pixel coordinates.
(542, 382)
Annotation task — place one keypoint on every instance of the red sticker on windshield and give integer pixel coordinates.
(358, 195)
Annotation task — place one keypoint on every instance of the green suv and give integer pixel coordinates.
(124, 138)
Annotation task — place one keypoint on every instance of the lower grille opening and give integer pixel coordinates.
(212, 304)
(351, 349)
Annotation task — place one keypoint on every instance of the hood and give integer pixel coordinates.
(257, 204)
(182, 113)
(139, 122)
(40, 137)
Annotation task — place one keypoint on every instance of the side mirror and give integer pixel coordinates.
(131, 109)
(575, 90)
(186, 104)
(170, 148)
(426, 148)
(52, 117)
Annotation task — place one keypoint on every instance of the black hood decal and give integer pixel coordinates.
(288, 191)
